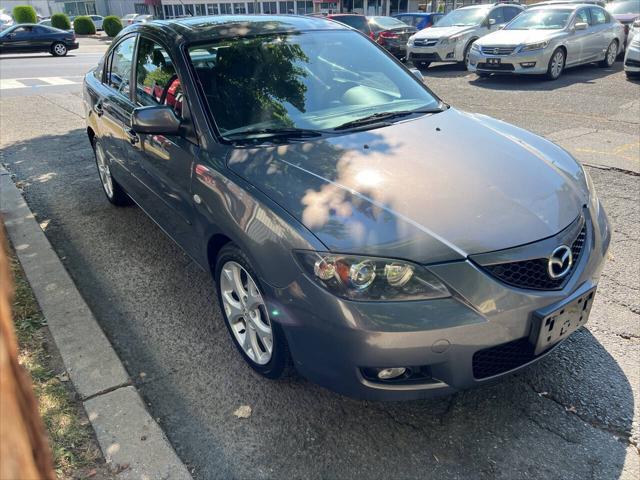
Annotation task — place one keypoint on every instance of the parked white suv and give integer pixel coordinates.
(450, 39)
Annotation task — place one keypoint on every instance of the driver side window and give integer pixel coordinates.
(498, 15)
(120, 62)
(157, 82)
(583, 17)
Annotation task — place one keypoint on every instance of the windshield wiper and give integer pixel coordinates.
(382, 116)
(281, 132)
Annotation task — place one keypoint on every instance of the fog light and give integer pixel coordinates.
(450, 55)
(391, 373)
(528, 64)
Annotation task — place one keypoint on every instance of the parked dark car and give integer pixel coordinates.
(389, 32)
(286, 156)
(28, 38)
(420, 20)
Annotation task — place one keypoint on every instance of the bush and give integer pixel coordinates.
(84, 26)
(61, 21)
(24, 14)
(111, 25)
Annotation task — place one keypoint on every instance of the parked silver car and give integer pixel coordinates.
(632, 57)
(546, 40)
(450, 39)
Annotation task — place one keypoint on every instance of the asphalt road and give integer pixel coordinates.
(572, 416)
(42, 73)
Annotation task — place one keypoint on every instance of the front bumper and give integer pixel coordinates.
(437, 53)
(515, 63)
(334, 341)
(632, 59)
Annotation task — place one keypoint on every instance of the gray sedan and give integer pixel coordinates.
(546, 40)
(356, 227)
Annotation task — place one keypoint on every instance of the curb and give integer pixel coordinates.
(131, 440)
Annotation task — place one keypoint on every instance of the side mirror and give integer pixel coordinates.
(417, 73)
(581, 26)
(491, 22)
(636, 24)
(158, 120)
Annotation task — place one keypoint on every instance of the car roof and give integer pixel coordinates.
(196, 29)
(416, 14)
(562, 6)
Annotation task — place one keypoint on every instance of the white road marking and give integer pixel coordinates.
(37, 82)
(57, 81)
(11, 83)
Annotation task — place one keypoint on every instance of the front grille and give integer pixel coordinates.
(488, 50)
(532, 274)
(500, 67)
(502, 358)
(427, 42)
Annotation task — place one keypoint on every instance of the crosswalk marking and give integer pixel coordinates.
(7, 84)
(57, 81)
(37, 82)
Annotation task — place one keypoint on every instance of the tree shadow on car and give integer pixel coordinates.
(588, 73)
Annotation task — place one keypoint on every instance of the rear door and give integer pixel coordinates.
(164, 163)
(115, 108)
(578, 41)
(601, 29)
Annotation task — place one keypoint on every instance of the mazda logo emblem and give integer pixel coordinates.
(560, 262)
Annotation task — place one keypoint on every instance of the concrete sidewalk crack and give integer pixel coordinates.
(107, 390)
(60, 106)
(614, 169)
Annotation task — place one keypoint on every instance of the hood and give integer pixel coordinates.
(436, 188)
(441, 32)
(517, 37)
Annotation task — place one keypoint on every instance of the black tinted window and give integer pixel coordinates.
(120, 63)
(510, 13)
(354, 21)
(497, 15)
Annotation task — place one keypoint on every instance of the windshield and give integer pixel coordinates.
(306, 80)
(540, 19)
(463, 17)
(387, 22)
(627, 6)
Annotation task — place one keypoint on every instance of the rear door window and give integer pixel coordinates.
(598, 17)
(583, 16)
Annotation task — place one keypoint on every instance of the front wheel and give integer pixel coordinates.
(260, 341)
(58, 49)
(610, 56)
(556, 64)
(112, 189)
(467, 52)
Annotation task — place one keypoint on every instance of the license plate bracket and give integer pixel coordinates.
(493, 62)
(551, 327)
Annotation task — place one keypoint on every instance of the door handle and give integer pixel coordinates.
(133, 136)
(97, 108)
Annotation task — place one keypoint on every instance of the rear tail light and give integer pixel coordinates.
(387, 34)
(372, 35)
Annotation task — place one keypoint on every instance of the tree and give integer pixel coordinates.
(24, 14)
(61, 21)
(84, 26)
(112, 25)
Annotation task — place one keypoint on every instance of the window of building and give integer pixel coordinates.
(304, 8)
(212, 9)
(253, 7)
(168, 11)
(269, 7)
(200, 10)
(239, 8)
(286, 7)
(225, 9)
(141, 8)
(178, 11)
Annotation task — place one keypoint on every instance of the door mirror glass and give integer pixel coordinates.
(417, 73)
(636, 24)
(156, 120)
(492, 21)
(581, 26)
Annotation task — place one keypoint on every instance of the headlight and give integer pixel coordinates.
(475, 47)
(454, 39)
(370, 278)
(534, 46)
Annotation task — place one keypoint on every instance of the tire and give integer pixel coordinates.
(556, 64)
(112, 189)
(610, 55)
(273, 364)
(59, 49)
(424, 65)
(632, 75)
(467, 49)
(483, 74)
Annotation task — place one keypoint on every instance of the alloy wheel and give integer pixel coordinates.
(612, 53)
(557, 64)
(104, 171)
(246, 312)
(60, 49)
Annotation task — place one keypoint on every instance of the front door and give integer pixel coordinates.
(164, 162)
(19, 40)
(578, 40)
